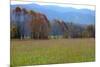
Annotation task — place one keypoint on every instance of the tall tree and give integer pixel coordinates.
(17, 16)
(39, 25)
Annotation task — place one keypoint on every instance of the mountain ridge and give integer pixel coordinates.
(84, 16)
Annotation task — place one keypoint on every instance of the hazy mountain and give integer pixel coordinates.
(68, 14)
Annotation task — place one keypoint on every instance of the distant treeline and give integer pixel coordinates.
(35, 25)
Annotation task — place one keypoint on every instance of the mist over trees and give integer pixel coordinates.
(35, 25)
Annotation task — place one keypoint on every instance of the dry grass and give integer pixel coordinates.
(33, 52)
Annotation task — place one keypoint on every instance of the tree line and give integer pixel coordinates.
(35, 25)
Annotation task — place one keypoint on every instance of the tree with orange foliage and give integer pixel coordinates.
(39, 25)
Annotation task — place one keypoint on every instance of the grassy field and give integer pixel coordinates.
(33, 52)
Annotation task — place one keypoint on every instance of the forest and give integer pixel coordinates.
(29, 24)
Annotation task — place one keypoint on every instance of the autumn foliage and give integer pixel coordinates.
(35, 25)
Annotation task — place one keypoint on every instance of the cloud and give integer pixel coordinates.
(90, 2)
(57, 4)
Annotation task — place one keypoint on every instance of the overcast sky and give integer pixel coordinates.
(90, 3)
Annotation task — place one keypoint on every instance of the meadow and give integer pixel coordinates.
(52, 51)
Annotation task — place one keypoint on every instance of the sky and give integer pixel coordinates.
(78, 4)
(90, 2)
